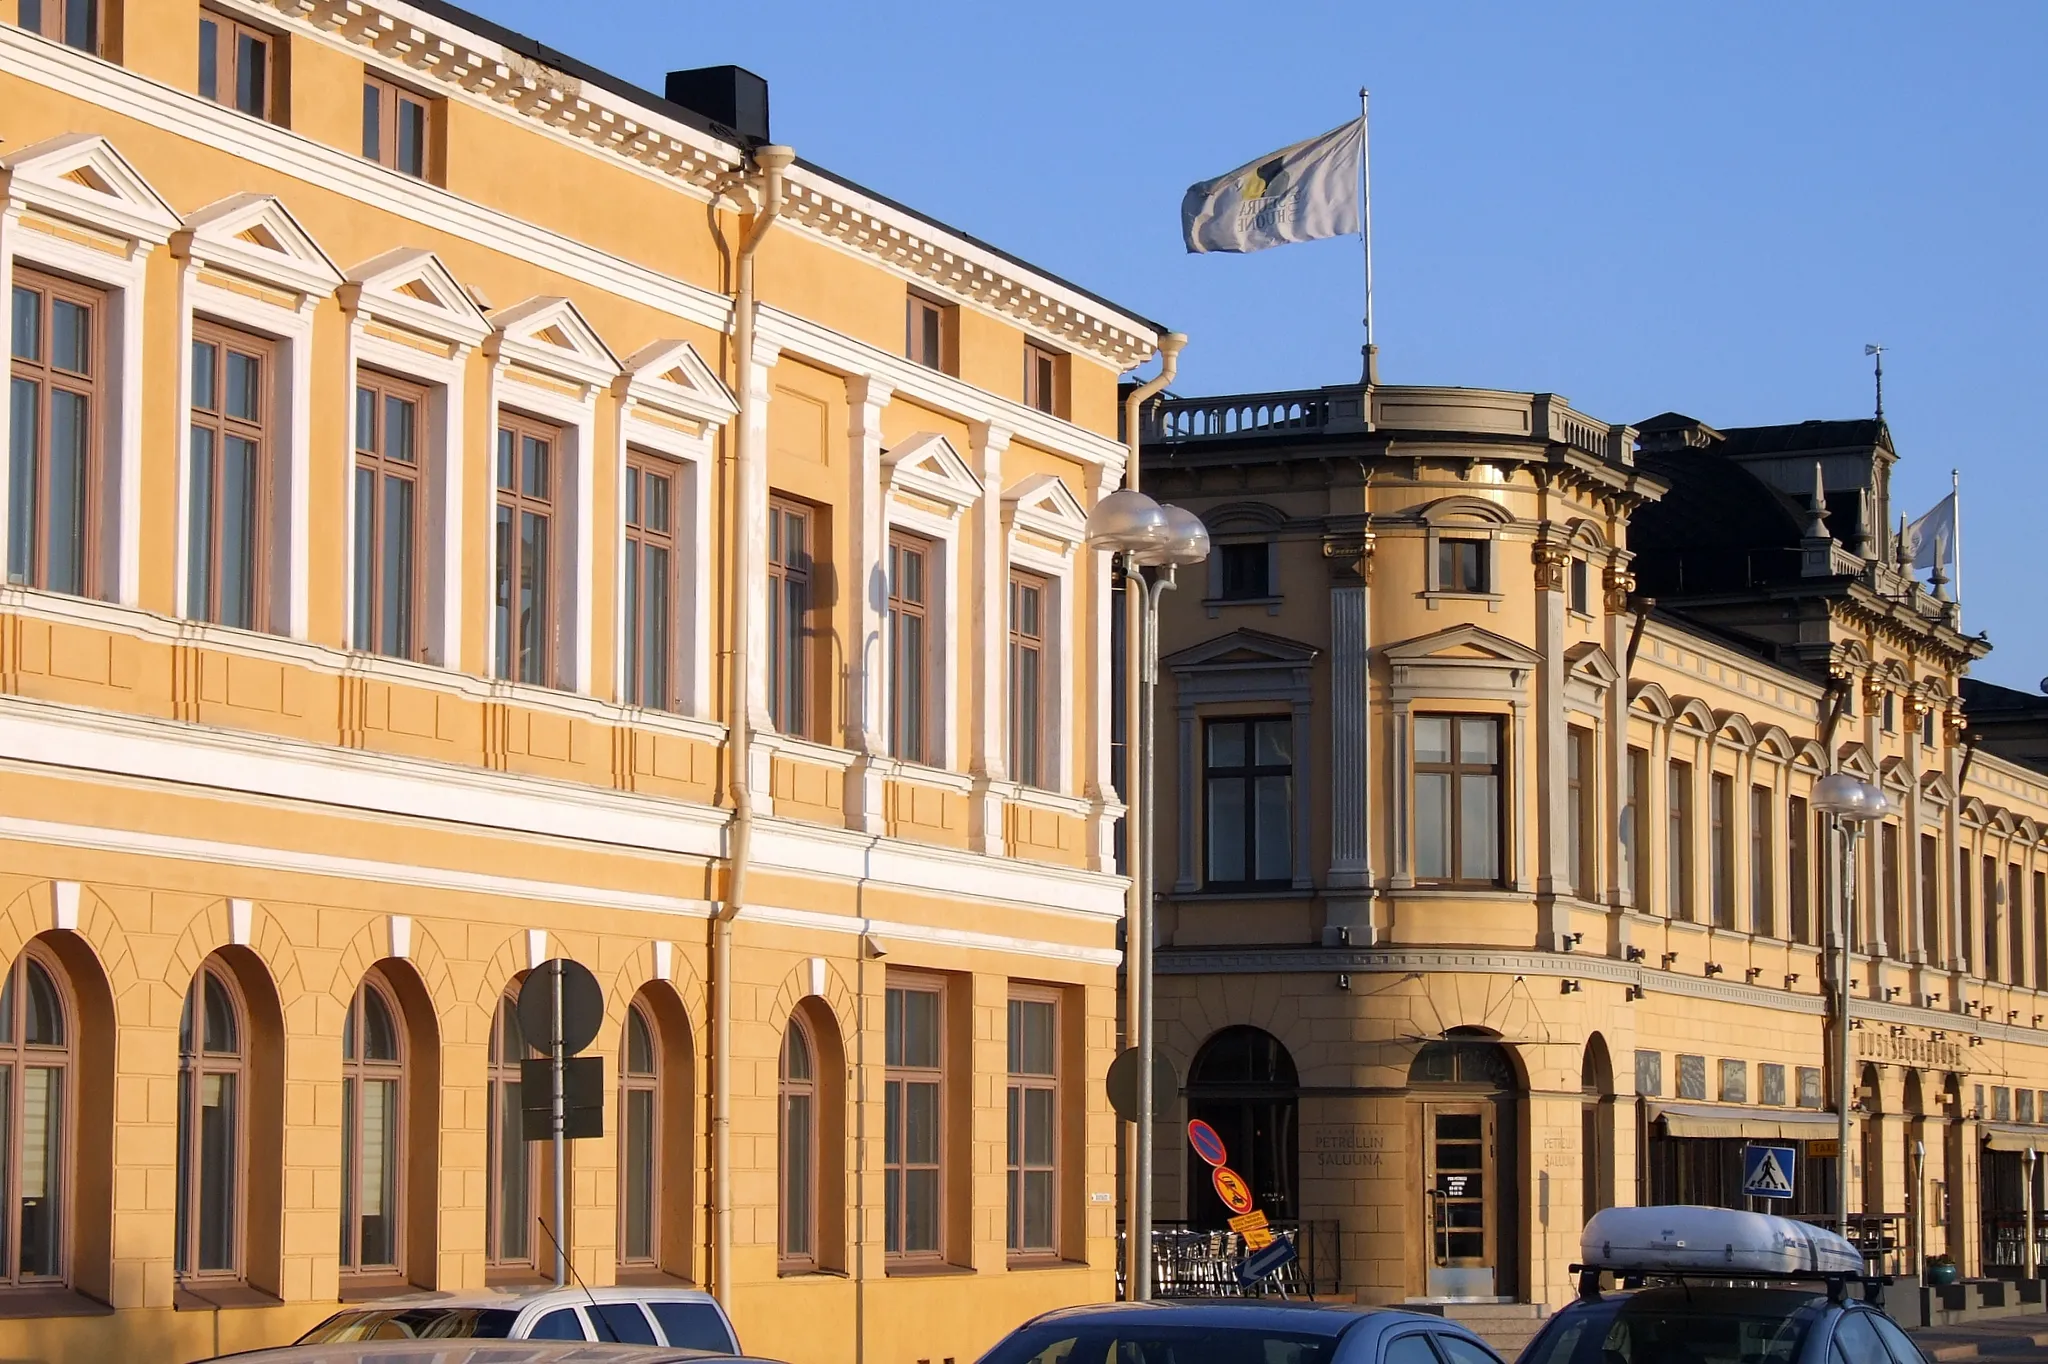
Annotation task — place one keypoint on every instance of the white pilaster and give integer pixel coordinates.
(989, 627)
(867, 679)
(1105, 803)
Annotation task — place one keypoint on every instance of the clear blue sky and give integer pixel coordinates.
(1645, 207)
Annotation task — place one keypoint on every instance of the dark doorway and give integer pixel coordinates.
(1243, 1084)
(1465, 1090)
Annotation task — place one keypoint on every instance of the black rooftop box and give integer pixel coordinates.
(731, 96)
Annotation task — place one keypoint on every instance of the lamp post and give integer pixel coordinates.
(1144, 533)
(1851, 804)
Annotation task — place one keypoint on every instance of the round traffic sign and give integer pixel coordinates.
(582, 1006)
(1207, 1144)
(1122, 1084)
(1231, 1188)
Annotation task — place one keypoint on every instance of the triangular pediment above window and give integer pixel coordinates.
(410, 288)
(1243, 649)
(549, 334)
(1044, 505)
(927, 464)
(1590, 662)
(1468, 643)
(81, 178)
(1934, 786)
(255, 236)
(1855, 758)
(671, 375)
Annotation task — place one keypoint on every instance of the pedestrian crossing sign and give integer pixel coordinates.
(1767, 1171)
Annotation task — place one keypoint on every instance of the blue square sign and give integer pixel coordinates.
(1767, 1171)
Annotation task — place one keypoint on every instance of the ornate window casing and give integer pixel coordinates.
(214, 1041)
(798, 1150)
(376, 1115)
(1469, 671)
(1044, 525)
(250, 267)
(1244, 569)
(926, 488)
(1239, 675)
(1465, 519)
(548, 364)
(409, 318)
(640, 1141)
(673, 406)
(73, 207)
(39, 1021)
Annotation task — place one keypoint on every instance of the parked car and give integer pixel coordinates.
(1720, 1287)
(681, 1317)
(483, 1352)
(1238, 1331)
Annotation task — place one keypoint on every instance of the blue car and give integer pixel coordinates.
(1233, 1331)
(1696, 1324)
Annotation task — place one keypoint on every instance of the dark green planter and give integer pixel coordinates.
(1942, 1274)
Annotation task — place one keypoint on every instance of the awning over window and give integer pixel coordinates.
(2002, 1136)
(1771, 1124)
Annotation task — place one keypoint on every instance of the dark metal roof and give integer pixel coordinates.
(1861, 433)
(624, 89)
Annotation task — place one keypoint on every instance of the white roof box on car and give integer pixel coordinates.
(1720, 1241)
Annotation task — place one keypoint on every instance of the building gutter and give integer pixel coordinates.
(772, 161)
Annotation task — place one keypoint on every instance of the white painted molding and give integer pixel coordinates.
(817, 965)
(241, 922)
(897, 935)
(664, 960)
(64, 906)
(536, 948)
(401, 936)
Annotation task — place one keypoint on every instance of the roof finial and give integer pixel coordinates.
(1877, 353)
(1817, 511)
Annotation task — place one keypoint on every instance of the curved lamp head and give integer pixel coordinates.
(1186, 542)
(1843, 796)
(1127, 520)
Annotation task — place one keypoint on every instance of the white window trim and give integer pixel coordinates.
(940, 700)
(588, 371)
(35, 184)
(457, 325)
(690, 645)
(1025, 510)
(291, 388)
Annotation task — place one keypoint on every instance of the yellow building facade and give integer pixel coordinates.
(389, 505)
(1494, 890)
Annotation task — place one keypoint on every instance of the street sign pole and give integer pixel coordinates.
(556, 1113)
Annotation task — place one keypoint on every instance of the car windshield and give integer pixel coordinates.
(1133, 1342)
(1674, 1326)
(413, 1323)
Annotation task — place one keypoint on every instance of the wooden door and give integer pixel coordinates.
(1459, 1151)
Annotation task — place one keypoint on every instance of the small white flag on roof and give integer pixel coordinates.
(1931, 540)
(1297, 194)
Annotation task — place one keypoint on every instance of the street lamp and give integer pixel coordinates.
(1851, 804)
(1142, 533)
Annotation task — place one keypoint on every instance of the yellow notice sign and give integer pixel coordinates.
(1258, 1238)
(1255, 1220)
(1824, 1150)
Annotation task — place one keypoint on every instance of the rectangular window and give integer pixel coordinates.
(1799, 868)
(927, 333)
(1244, 571)
(528, 470)
(789, 615)
(910, 560)
(2040, 930)
(1927, 730)
(2016, 926)
(1892, 874)
(75, 23)
(1042, 379)
(1991, 966)
(237, 64)
(1580, 838)
(1891, 713)
(1033, 1125)
(913, 1118)
(1461, 565)
(1930, 899)
(1763, 903)
(1966, 913)
(228, 499)
(1721, 813)
(1678, 856)
(1635, 847)
(54, 435)
(397, 127)
(388, 498)
(1582, 587)
(1028, 594)
(649, 584)
(1248, 797)
(1457, 799)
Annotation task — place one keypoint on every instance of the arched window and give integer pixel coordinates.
(640, 1143)
(36, 1069)
(213, 1096)
(514, 1173)
(799, 1162)
(373, 1061)
(1243, 1083)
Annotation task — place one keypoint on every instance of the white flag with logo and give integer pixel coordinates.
(1297, 194)
(1932, 539)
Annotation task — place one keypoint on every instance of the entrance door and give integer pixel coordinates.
(1459, 1144)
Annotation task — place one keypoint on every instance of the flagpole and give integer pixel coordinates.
(1955, 491)
(1365, 230)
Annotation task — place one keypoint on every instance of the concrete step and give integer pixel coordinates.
(1506, 1326)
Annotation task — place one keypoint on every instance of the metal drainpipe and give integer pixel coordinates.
(1137, 856)
(773, 160)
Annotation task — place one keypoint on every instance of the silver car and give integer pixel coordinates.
(474, 1352)
(679, 1317)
